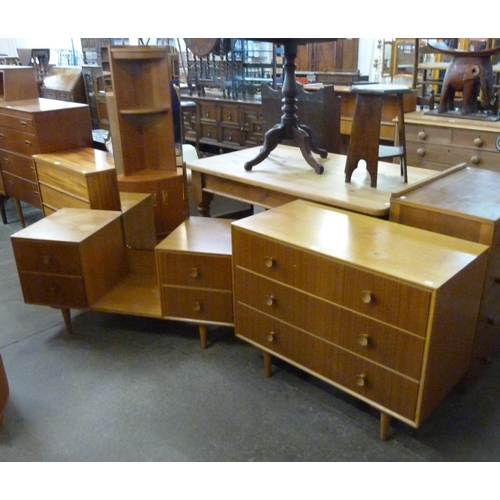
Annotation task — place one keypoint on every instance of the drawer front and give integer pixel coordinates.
(20, 142)
(68, 182)
(374, 340)
(197, 304)
(22, 189)
(46, 257)
(208, 112)
(230, 115)
(195, 270)
(53, 290)
(22, 166)
(24, 124)
(209, 132)
(253, 126)
(427, 135)
(233, 135)
(56, 199)
(345, 285)
(482, 141)
(358, 375)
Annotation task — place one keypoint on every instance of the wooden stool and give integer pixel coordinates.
(365, 133)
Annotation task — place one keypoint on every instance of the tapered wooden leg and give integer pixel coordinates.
(66, 313)
(19, 211)
(385, 421)
(268, 364)
(203, 336)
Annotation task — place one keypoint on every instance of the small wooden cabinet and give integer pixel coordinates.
(78, 178)
(18, 82)
(383, 311)
(439, 142)
(194, 268)
(71, 258)
(33, 126)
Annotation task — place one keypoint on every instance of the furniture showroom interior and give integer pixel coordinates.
(250, 250)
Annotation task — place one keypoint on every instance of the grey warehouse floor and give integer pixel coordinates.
(124, 388)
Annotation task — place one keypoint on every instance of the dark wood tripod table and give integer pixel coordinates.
(289, 128)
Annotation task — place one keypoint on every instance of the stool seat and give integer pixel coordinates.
(365, 133)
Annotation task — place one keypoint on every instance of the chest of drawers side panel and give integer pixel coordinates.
(451, 337)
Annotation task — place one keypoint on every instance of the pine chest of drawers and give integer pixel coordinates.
(194, 268)
(439, 142)
(32, 126)
(383, 311)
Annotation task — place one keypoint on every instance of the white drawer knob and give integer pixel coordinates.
(363, 340)
(422, 135)
(421, 152)
(478, 142)
(196, 306)
(268, 261)
(367, 297)
(269, 300)
(194, 273)
(360, 380)
(475, 160)
(270, 337)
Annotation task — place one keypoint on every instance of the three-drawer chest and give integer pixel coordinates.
(383, 311)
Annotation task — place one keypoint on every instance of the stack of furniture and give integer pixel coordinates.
(31, 125)
(140, 111)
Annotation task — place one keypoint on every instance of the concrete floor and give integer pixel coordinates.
(123, 388)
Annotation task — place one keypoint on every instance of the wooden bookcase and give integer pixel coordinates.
(142, 130)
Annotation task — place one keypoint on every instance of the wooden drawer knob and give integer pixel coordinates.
(363, 340)
(422, 135)
(478, 142)
(360, 380)
(2, 136)
(196, 306)
(268, 261)
(366, 297)
(475, 160)
(270, 337)
(421, 152)
(194, 273)
(24, 124)
(269, 300)
(46, 260)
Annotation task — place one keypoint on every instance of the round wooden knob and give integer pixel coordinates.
(270, 337)
(268, 261)
(196, 306)
(360, 380)
(193, 272)
(475, 160)
(46, 260)
(422, 135)
(363, 340)
(366, 297)
(421, 152)
(269, 300)
(478, 142)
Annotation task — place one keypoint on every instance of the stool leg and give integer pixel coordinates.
(365, 136)
(2, 208)
(402, 136)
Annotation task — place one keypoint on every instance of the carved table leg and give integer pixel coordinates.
(289, 127)
(202, 198)
(385, 421)
(203, 336)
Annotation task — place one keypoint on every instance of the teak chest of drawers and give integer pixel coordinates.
(463, 202)
(77, 178)
(439, 142)
(194, 268)
(383, 311)
(34, 126)
(70, 259)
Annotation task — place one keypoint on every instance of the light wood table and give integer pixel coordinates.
(284, 176)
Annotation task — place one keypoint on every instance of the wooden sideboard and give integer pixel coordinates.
(32, 126)
(463, 202)
(439, 142)
(223, 122)
(380, 310)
